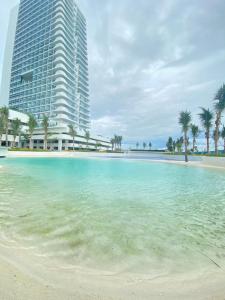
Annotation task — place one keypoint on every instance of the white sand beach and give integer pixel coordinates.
(208, 162)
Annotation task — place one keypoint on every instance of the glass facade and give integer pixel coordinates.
(49, 73)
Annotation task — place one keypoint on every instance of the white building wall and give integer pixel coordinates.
(8, 55)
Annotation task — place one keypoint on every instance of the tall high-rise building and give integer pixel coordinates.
(49, 74)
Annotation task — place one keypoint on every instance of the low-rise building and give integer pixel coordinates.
(59, 138)
(13, 115)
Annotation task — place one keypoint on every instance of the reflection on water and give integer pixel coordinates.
(115, 214)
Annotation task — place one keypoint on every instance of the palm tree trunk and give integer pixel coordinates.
(45, 144)
(207, 141)
(6, 137)
(73, 143)
(30, 145)
(46, 141)
(217, 132)
(193, 147)
(224, 145)
(19, 142)
(185, 146)
(216, 143)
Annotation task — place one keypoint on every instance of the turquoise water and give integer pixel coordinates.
(117, 215)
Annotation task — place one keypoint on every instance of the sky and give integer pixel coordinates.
(148, 60)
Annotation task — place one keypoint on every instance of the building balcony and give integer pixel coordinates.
(63, 102)
(60, 80)
(62, 109)
(65, 119)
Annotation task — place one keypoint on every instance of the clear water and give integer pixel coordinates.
(115, 215)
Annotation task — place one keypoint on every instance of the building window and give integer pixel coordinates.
(27, 77)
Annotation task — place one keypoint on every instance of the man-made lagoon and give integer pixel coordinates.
(117, 215)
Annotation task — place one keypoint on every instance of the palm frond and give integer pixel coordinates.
(185, 120)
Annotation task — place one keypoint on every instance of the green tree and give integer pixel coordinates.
(185, 121)
(219, 108)
(223, 137)
(32, 124)
(174, 146)
(206, 118)
(5, 120)
(179, 144)
(16, 130)
(144, 145)
(215, 135)
(112, 141)
(26, 137)
(1, 128)
(87, 137)
(195, 133)
(150, 145)
(118, 142)
(169, 144)
(45, 126)
(73, 134)
(98, 145)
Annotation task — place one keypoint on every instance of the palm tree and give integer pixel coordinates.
(179, 144)
(223, 137)
(137, 145)
(174, 146)
(1, 128)
(219, 108)
(215, 135)
(206, 117)
(72, 133)
(45, 125)
(87, 137)
(150, 145)
(195, 133)
(144, 145)
(112, 141)
(120, 138)
(26, 137)
(5, 119)
(32, 124)
(116, 139)
(185, 121)
(16, 129)
(98, 145)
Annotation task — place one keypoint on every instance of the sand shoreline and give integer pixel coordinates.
(203, 162)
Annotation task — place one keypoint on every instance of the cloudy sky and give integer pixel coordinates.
(148, 60)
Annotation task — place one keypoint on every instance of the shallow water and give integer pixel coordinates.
(115, 215)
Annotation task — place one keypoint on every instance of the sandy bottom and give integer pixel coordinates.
(24, 275)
